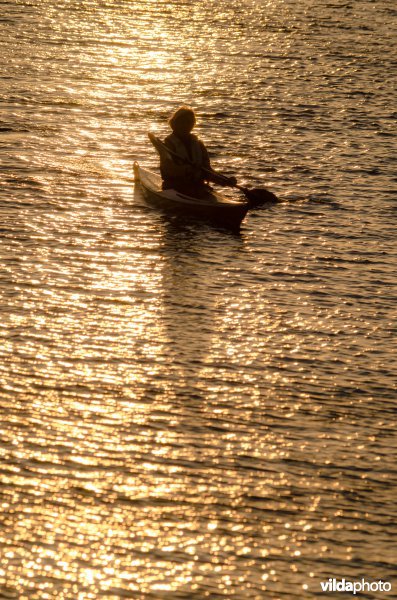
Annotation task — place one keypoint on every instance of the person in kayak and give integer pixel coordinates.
(177, 174)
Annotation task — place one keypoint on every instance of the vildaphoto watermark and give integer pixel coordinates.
(354, 587)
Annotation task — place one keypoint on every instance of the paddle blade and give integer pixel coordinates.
(259, 196)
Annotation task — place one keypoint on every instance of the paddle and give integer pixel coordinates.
(256, 196)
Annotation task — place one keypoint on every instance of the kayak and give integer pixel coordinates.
(209, 206)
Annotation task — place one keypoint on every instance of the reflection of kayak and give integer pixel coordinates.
(210, 206)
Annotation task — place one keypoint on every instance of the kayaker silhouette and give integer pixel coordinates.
(188, 169)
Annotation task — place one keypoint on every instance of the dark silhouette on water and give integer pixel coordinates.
(185, 164)
(188, 169)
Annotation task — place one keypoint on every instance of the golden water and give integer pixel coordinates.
(187, 413)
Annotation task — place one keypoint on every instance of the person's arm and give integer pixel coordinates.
(213, 176)
(169, 168)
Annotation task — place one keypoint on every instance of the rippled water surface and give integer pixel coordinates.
(186, 412)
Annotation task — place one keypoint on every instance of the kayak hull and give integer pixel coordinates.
(210, 206)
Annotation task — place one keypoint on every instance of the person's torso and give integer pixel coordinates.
(189, 149)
